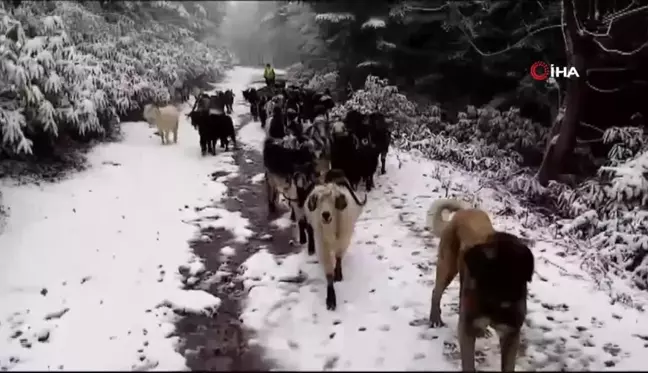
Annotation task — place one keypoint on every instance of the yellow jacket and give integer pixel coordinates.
(268, 73)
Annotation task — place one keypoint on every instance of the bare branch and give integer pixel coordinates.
(620, 52)
(625, 12)
(420, 9)
(601, 90)
(582, 142)
(610, 19)
(583, 31)
(606, 69)
(592, 127)
(519, 42)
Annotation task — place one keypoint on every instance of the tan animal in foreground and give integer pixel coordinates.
(332, 210)
(165, 118)
(494, 269)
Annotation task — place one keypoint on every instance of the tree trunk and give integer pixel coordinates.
(560, 148)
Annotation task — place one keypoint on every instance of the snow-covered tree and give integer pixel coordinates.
(67, 67)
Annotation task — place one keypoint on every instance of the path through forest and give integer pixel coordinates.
(165, 258)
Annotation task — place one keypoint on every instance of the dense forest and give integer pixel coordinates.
(451, 73)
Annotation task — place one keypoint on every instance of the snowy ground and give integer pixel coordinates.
(89, 272)
(89, 267)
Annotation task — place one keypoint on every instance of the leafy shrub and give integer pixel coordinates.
(299, 74)
(377, 96)
(66, 69)
(610, 210)
(321, 82)
(312, 74)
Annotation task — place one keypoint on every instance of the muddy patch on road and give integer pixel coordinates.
(220, 342)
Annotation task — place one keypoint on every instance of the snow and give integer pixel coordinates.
(374, 23)
(258, 178)
(253, 135)
(97, 260)
(283, 222)
(227, 251)
(191, 301)
(334, 17)
(388, 276)
(212, 217)
(90, 265)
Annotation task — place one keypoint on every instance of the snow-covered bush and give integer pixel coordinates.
(318, 76)
(507, 130)
(66, 69)
(299, 74)
(377, 96)
(321, 82)
(611, 210)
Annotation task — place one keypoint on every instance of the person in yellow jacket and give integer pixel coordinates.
(269, 75)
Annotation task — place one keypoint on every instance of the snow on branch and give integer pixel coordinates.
(368, 63)
(422, 9)
(374, 23)
(334, 17)
(378, 96)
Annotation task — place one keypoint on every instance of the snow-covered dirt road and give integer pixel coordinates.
(105, 271)
(95, 269)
